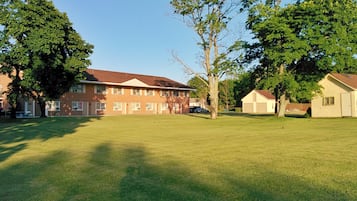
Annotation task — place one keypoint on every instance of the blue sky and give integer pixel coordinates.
(133, 36)
(136, 36)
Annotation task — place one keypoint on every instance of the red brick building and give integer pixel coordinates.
(116, 93)
(4, 81)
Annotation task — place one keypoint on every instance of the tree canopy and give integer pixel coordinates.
(40, 50)
(301, 42)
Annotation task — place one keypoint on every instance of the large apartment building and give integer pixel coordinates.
(115, 93)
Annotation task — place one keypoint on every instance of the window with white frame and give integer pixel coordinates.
(165, 93)
(100, 89)
(135, 106)
(117, 91)
(149, 106)
(136, 92)
(149, 92)
(53, 106)
(164, 106)
(117, 106)
(328, 101)
(77, 106)
(176, 93)
(100, 106)
(78, 88)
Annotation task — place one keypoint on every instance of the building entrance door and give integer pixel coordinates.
(346, 106)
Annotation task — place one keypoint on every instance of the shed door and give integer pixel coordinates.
(346, 105)
(261, 108)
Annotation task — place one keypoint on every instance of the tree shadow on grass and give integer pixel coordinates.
(108, 174)
(144, 180)
(130, 173)
(276, 186)
(14, 134)
(197, 115)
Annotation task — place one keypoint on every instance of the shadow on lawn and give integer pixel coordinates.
(232, 114)
(15, 133)
(276, 186)
(129, 174)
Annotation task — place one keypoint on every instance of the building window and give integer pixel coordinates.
(135, 106)
(77, 106)
(176, 93)
(164, 106)
(100, 89)
(149, 92)
(53, 106)
(136, 92)
(117, 91)
(185, 94)
(165, 93)
(117, 106)
(78, 88)
(149, 106)
(328, 101)
(100, 106)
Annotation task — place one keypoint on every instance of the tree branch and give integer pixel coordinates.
(188, 69)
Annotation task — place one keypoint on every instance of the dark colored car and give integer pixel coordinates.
(197, 109)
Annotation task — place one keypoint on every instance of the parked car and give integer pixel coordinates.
(197, 109)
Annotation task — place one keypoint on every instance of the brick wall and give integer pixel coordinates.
(122, 100)
(4, 81)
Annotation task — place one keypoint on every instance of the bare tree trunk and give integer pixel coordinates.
(282, 98)
(15, 94)
(282, 105)
(42, 104)
(213, 92)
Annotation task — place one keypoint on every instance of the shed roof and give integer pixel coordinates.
(266, 93)
(120, 78)
(350, 80)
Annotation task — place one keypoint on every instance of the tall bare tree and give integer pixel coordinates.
(209, 19)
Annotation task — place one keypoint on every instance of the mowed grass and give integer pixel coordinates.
(178, 157)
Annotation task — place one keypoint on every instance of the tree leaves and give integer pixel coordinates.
(310, 38)
(40, 41)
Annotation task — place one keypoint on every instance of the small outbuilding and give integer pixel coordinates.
(258, 101)
(338, 97)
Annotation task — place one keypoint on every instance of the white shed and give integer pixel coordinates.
(258, 101)
(338, 97)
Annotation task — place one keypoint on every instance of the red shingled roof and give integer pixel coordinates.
(120, 77)
(266, 94)
(349, 80)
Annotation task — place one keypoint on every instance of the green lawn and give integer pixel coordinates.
(178, 157)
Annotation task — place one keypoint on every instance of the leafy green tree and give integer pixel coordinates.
(226, 94)
(209, 19)
(40, 50)
(201, 89)
(300, 43)
(243, 85)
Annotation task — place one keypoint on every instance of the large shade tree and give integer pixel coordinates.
(209, 19)
(40, 50)
(301, 42)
